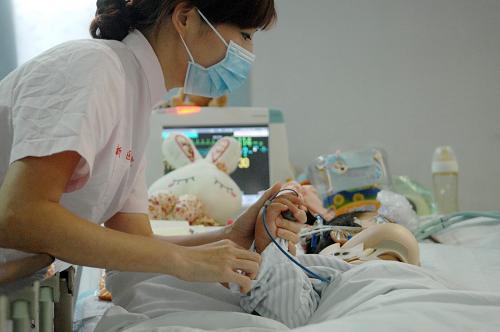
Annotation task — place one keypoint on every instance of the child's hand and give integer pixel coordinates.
(277, 225)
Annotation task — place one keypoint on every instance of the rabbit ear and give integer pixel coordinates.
(225, 154)
(179, 150)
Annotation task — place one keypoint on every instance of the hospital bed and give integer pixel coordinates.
(468, 256)
(468, 259)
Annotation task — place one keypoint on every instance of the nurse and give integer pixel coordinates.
(74, 126)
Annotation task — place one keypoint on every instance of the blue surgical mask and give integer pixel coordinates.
(223, 77)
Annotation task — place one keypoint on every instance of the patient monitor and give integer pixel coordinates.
(261, 132)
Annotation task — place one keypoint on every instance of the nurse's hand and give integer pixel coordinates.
(242, 231)
(279, 226)
(223, 261)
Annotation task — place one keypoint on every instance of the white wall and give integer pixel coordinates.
(405, 75)
(40, 25)
(8, 57)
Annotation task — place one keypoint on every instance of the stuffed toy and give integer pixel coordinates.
(182, 99)
(199, 189)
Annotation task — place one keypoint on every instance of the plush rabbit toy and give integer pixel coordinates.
(199, 189)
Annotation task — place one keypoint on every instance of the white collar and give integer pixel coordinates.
(148, 60)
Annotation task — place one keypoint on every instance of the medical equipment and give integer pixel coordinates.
(419, 197)
(323, 233)
(252, 172)
(44, 305)
(435, 224)
(386, 239)
(273, 240)
(321, 229)
(261, 125)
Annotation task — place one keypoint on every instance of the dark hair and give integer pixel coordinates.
(115, 18)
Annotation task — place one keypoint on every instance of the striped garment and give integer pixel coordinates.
(283, 292)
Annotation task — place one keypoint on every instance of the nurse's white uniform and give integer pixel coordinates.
(93, 97)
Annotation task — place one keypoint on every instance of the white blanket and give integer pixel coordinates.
(376, 296)
(457, 289)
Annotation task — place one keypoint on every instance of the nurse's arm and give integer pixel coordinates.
(137, 223)
(32, 220)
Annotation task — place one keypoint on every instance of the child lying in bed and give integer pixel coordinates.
(284, 292)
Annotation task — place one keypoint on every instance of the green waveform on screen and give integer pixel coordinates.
(249, 145)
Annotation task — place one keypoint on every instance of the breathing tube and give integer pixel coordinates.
(437, 224)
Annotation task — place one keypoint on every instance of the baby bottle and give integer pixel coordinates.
(445, 179)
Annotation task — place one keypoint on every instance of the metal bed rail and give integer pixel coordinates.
(43, 306)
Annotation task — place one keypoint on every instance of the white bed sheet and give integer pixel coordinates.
(379, 296)
(467, 297)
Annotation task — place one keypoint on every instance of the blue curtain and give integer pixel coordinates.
(8, 57)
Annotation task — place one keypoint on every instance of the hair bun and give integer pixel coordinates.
(113, 19)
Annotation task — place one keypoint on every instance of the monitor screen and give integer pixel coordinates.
(252, 174)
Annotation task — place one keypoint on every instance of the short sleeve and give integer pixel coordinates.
(137, 201)
(67, 99)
